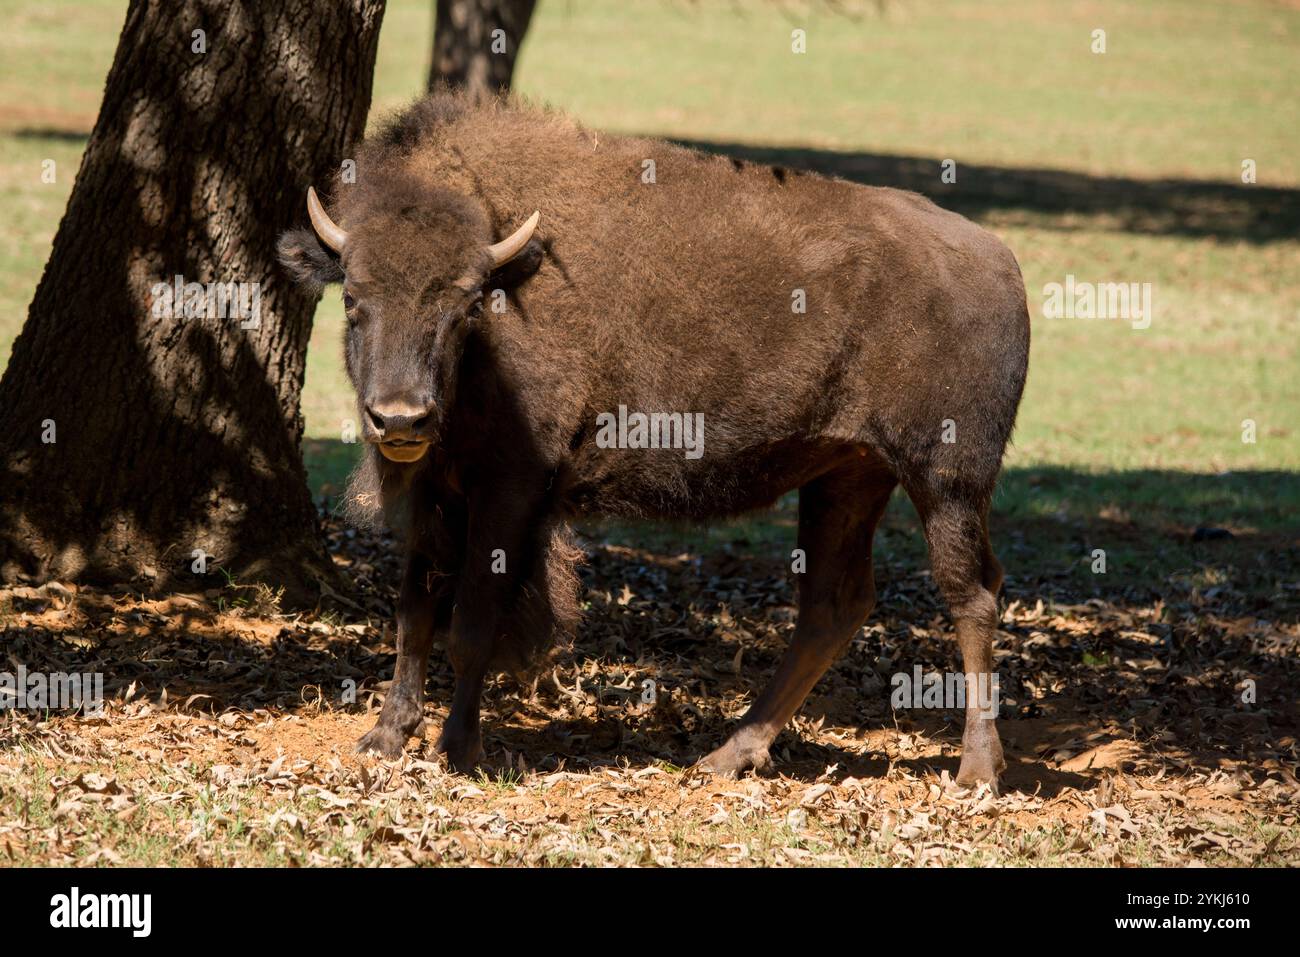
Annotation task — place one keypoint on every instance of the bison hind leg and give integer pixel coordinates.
(955, 521)
(838, 515)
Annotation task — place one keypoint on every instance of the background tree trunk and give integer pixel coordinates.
(463, 44)
(176, 434)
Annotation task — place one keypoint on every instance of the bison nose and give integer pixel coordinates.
(399, 420)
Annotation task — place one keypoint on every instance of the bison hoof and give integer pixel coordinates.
(382, 740)
(463, 757)
(981, 765)
(734, 758)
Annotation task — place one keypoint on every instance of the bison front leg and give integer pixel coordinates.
(403, 710)
(499, 555)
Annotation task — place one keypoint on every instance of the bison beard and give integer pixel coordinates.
(484, 349)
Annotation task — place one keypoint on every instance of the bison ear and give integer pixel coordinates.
(520, 268)
(310, 263)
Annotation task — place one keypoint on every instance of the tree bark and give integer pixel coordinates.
(173, 435)
(466, 53)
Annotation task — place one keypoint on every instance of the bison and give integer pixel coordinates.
(515, 284)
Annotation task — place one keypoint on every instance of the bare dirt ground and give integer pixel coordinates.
(1137, 733)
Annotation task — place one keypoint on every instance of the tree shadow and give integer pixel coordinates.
(1099, 673)
(1198, 208)
(78, 137)
(1180, 655)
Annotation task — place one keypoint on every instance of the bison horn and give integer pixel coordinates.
(511, 246)
(326, 228)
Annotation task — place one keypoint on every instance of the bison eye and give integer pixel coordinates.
(475, 308)
(348, 301)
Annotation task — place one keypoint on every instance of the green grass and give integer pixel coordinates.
(1186, 90)
(1220, 349)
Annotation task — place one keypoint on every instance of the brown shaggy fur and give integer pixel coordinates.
(667, 296)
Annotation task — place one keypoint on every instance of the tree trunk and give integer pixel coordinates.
(134, 438)
(467, 53)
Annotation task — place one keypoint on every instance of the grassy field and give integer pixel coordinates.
(1120, 167)
(1186, 91)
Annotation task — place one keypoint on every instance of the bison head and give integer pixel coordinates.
(414, 266)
